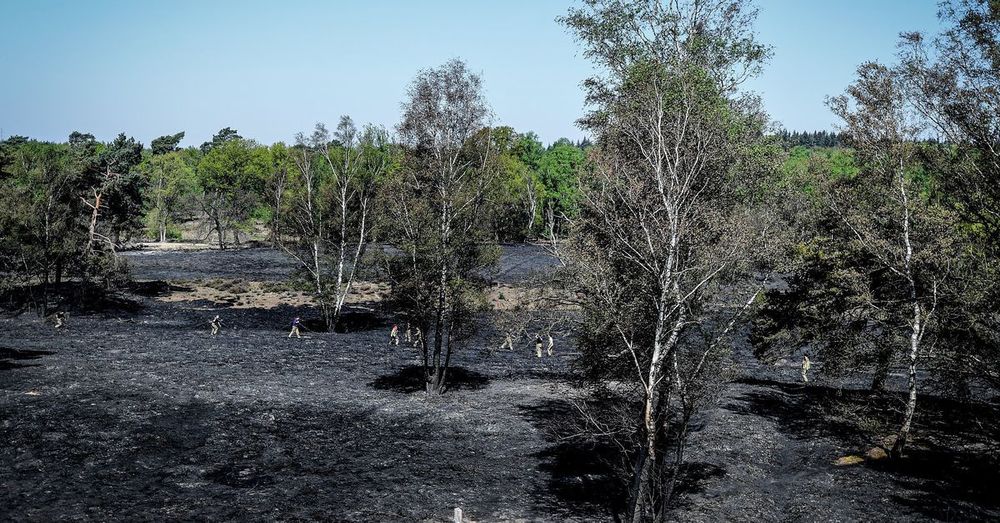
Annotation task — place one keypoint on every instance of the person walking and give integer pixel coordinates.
(508, 341)
(296, 323)
(806, 365)
(538, 346)
(394, 335)
(216, 324)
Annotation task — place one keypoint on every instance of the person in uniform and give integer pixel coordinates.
(296, 323)
(216, 324)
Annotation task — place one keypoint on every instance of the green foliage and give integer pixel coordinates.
(166, 144)
(558, 171)
(47, 195)
(807, 168)
(123, 186)
(224, 135)
(171, 187)
(232, 177)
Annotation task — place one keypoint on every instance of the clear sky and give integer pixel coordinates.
(272, 68)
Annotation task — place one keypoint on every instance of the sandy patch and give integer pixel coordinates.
(240, 294)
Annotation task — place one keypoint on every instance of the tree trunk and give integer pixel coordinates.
(641, 502)
(882, 364)
(218, 230)
(915, 330)
(911, 401)
(96, 209)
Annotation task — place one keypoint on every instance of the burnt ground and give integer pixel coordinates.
(138, 414)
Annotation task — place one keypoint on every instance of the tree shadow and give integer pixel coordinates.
(694, 478)
(581, 473)
(805, 412)
(411, 379)
(155, 288)
(946, 483)
(9, 358)
(358, 319)
(949, 471)
(90, 297)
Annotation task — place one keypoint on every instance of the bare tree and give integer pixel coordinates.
(305, 215)
(330, 207)
(361, 163)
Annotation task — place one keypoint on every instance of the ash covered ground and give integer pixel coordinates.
(137, 414)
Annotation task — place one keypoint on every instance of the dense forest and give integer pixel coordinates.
(685, 224)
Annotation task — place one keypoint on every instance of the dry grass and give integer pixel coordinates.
(243, 294)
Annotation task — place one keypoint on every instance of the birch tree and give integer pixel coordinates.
(953, 80)
(329, 211)
(437, 213)
(886, 213)
(670, 225)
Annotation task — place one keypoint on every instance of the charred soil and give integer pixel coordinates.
(138, 413)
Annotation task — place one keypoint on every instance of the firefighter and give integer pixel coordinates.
(419, 338)
(296, 323)
(216, 324)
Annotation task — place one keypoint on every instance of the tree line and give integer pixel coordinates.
(811, 138)
(68, 207)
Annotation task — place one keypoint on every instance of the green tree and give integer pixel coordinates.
(166, 144)
(41, 216)
(172, 185)
(231, 178)
(558, 171)
(113, 187)
(518, 189)
(224, 135)
(437, 213)
(672, 217)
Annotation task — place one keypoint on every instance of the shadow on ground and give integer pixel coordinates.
(10, 358)
(581, 473)
(951, 468)
(411, 379)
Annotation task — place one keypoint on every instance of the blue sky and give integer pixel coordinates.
(271, 69)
